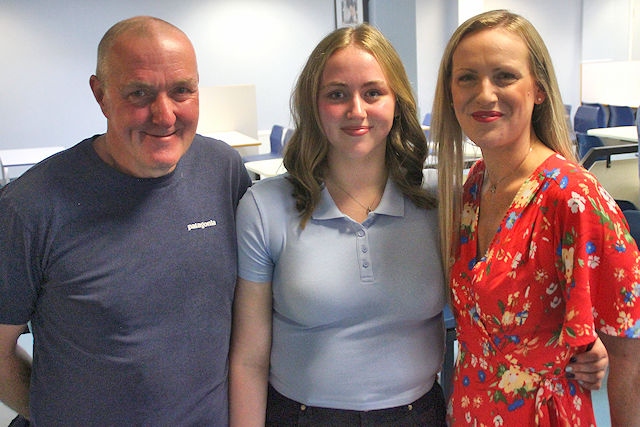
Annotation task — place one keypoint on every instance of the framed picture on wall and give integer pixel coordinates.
(350, 12)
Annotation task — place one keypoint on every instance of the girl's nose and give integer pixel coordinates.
(357, 108)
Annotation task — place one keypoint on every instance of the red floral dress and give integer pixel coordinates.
(561, 266)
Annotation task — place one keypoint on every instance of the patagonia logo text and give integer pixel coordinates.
(201, 225)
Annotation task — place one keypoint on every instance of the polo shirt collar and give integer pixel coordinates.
(391, 204)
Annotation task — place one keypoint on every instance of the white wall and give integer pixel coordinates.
(397, 21)
(435, 22)
(607, 31)
(49, 47)
(559, 24)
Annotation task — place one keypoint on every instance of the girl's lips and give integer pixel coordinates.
(356, 131)
(486, 116)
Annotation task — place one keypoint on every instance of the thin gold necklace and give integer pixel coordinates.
(365, 207)
(493, 186)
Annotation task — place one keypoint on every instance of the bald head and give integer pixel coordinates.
(141, 27)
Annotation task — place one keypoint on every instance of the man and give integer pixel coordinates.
(121, 252)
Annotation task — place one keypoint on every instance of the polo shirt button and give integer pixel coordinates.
(410, 407)
(303, 407)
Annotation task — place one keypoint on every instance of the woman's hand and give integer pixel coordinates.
(589, 368)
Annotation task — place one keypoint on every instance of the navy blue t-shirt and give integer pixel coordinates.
(128, 284)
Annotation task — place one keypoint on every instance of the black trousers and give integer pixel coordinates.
(427, 411)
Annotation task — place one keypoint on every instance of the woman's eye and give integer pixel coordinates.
(465, 78)
(506, 78)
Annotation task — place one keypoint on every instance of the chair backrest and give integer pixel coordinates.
(621, 115)
(633, 218)
(275, 139)
(586, 142)
(589, 117)
(287, 136)
(567, 109)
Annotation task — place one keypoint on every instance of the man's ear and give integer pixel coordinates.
(97, 87)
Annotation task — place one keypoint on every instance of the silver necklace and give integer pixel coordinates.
(365, 207)
(493, 186)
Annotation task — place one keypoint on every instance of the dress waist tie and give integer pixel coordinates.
(551, 401)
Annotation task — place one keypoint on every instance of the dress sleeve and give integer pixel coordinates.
(599, 260)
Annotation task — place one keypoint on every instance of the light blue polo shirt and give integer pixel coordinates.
(357, 321)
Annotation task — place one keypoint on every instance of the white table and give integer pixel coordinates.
(266, 168)
(26, 156)
(234, 138)
(613, 135)
(22, 157)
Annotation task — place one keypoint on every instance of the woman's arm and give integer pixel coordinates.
(589, 367)
(623, 384)
(249, 353)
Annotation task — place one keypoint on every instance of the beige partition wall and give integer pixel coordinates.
(228, 108)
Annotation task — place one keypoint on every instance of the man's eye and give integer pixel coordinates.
(182, 93)
(139, 93)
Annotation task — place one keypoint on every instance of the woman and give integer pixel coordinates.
(340, 292)
(544, 262)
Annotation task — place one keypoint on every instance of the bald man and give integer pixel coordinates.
(121, 253)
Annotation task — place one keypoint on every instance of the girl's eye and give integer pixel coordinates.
(373, 93)
(336, 95)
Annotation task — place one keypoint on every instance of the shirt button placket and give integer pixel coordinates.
(364, 258)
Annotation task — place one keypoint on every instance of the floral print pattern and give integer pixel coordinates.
(561, 267)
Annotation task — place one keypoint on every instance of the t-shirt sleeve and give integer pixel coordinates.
(18, 277)
(254, 261)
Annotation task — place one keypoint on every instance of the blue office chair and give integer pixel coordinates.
(633, 219)
(626, 205)
(567, 109)
(586, 142)
(426, 121)
(621, 115)
(287, 136)
(589, 116)
(277, 142)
